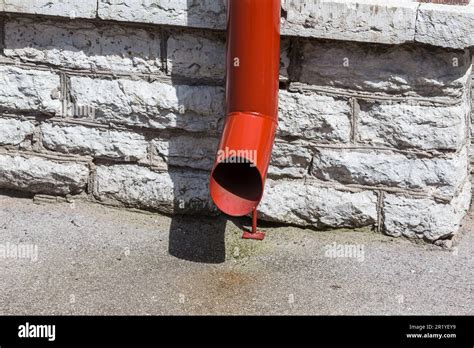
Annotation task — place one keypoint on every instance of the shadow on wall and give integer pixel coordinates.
(203, 242)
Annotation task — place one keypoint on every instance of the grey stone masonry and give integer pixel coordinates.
(28, 90)
(92, 47)
(386, 22)
(123, 103)
(445, 26)
(66, 8)
(42, 175)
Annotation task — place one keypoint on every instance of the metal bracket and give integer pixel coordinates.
(254, 234)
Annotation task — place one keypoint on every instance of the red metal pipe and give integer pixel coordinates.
(253, 61)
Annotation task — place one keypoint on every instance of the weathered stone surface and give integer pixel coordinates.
(118, 48)
(200, 108)
(306, 203)
(390, 22)
(65, 8)
(186, 151)
(319, 137)
(96, 142)
(410, 125)
(29, 90)
(196, 55)
(199, 55)
(284, 58)
(314, 117)
(14, 131)
(290, 159)
(82, 45)
(472, 87)
(40, 175)
(192, 13)
(155, 105)
(446, 25)
(405, 70)
(167, 192)
(386, 22)
(424, 217)
(384, 168)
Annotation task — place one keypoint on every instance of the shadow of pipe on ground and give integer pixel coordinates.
(204, 243)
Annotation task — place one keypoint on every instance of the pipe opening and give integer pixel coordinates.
(237, 186)
(240, 179)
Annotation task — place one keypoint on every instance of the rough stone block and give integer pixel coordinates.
(167, 192)
(29, 90)
(306, 203)
(290, 159)
(411, 125)
(155, 105)
(199, 55)
(196, 55)
(446, 25)
(438, 175)
(192, 13)
(65, 8)
(314, 117)
(186, 151)
(96, 142)
(424, 218)
(390, 22)
(82, 45)
(376, 69)
(14, 131)
(40, 175)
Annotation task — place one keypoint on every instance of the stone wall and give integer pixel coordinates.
(123, 103)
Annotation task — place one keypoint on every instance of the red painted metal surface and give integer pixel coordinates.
(253, 61)
(254, 234)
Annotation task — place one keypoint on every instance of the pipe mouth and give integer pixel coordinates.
(236, 186)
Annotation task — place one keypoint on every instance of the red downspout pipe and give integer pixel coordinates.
(253, 61)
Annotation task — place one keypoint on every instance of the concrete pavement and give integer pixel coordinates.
(92, 259)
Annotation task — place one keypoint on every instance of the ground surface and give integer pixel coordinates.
(97, 260)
